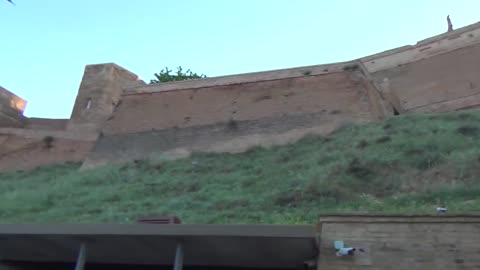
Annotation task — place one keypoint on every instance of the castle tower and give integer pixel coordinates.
(100, 92)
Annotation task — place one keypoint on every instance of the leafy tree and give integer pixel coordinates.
(166, 75)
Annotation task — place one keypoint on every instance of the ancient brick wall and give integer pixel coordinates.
(341, 93)
(446, 82)
(234, 113)
(22, 149)
(401, 242)
(233, 117)
(438, 74)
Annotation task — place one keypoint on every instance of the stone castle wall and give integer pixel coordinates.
(438, 74)
(22, 149)
(234, 117)
(133, 120)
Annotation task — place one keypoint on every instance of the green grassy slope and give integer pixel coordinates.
(404, 165)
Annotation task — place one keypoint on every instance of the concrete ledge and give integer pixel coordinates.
(244, 230)
(473, 218)
(244, 246)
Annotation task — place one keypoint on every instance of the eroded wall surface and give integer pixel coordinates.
(233, 117)
(401, 242)
(22, 149)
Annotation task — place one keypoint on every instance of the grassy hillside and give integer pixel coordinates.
(404, 165)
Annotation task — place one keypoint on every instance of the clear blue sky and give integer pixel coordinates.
(45, 44)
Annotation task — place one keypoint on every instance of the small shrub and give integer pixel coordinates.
(362, 144)
(284, 157)
(351, 67)
(357, 169)
(469, 131)
(465, 116)
(165, 75)
(383, 139)
(307, 72)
